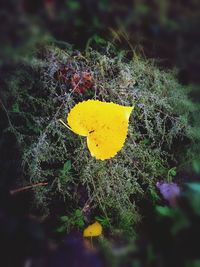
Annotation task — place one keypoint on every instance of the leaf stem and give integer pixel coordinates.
(61, 121)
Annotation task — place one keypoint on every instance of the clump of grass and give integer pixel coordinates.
(53, 154)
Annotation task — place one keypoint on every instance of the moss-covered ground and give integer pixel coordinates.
(38, 92)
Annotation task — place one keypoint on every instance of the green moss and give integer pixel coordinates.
(112, 188)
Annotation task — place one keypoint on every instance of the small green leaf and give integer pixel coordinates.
(194, 186)
(164, 211)
(171, 173)
(103, 221)
(67, 166)
(99, 40)
(61, 229)
(80, 223)
(73, 5)
(154, 195)
(78, 213)
(145, 141)
(64, 218)
(196, 165)
(15, 108)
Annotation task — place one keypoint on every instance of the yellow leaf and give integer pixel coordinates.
(104, 124)
(94, 229)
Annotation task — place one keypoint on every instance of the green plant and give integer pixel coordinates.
(64, 172)
(104, 221)
(51, 153)
(171, 174)
(73, 220)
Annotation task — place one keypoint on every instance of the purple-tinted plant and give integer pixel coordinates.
(169, 191)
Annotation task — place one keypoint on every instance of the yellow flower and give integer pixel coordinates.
(104, 124)
(94, 229)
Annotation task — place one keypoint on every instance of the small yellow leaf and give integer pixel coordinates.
(94, 229)
(104, 124)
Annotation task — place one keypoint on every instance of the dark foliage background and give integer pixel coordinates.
(168, 30)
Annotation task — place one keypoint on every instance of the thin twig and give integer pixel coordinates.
(7, 115)
(18, 190)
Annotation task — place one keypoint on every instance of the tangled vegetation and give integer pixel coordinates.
(42, 90)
